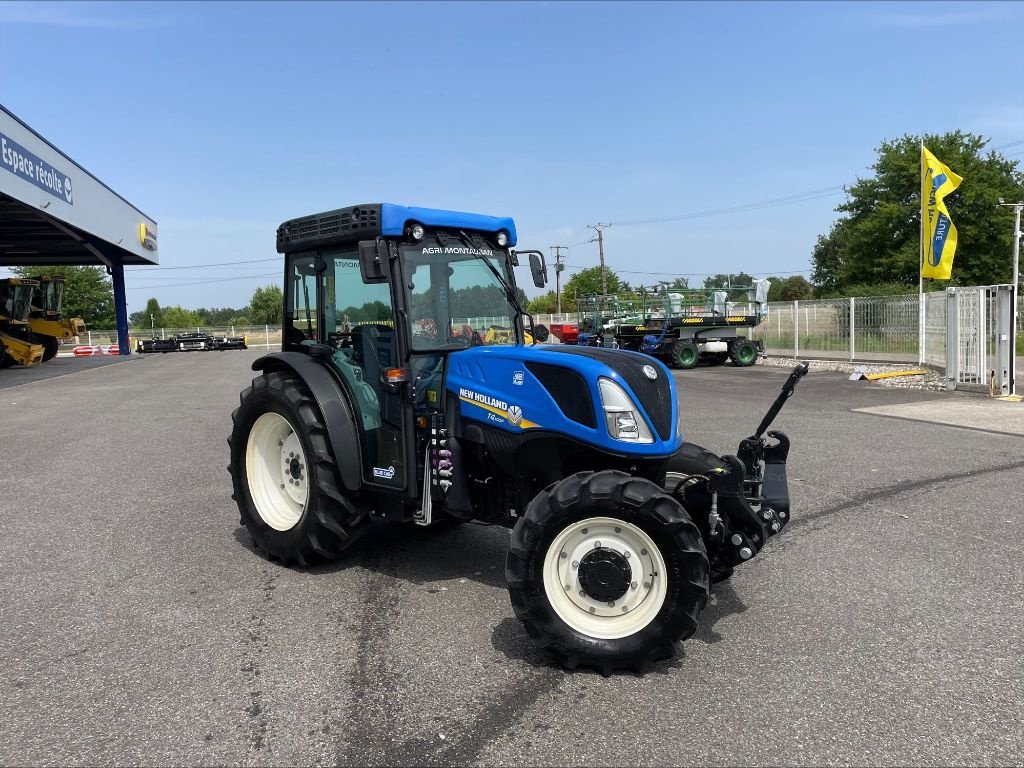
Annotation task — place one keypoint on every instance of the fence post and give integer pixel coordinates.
(266, 333)
(232, 330)
(853, 332)
(796, 328)
(90, 337)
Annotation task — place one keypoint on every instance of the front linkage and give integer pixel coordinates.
(737, 502)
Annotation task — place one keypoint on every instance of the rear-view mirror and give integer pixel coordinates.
(373, 259)
(538, 268)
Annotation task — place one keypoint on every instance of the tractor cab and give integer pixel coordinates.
(17, 345)
(384, 295)
(47, 300)
(16, 299)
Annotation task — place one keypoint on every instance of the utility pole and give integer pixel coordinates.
(1016, 281)
(599, 228)
(559, 266)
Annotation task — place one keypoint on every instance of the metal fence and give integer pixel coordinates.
(879, 328)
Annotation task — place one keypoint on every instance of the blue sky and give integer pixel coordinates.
(223, 120)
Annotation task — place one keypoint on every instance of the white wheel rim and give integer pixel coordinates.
(276, 468)
(614, 619)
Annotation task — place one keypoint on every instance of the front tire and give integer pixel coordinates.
(685, 354)
(606, 570)
(50, 346)
(285, 478)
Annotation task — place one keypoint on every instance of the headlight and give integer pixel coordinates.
(621, 414)
(502, 239)
(416, 232)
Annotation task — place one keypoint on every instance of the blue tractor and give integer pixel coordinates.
(388, 399)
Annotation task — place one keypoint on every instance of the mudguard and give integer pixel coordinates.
(334, 407)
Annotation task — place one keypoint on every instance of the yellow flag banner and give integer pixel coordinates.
(938, 233)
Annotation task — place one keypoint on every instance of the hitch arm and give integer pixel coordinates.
(787, 392)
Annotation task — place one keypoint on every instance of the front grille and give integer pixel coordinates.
(345, 224)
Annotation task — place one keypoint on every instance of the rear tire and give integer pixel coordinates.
(685, 354)
(631, 599)
(285, 478)
(743, 353)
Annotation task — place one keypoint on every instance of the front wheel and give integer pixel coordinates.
(50, 346)
(285, 477)
(606, 570)
(685, 354)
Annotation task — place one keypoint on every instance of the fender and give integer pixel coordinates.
(333, 404)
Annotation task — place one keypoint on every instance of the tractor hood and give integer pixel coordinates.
(555, 389)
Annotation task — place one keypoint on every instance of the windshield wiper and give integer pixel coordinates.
(473, 249)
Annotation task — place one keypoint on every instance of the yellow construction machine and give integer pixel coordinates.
(16, 345)
(47, 325)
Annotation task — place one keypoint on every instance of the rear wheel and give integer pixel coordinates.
(743, 352)
(605, 570)
(685, 354)
(285, 477)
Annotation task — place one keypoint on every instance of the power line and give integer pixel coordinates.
(201, 282)
(694, 274)
(788, 200)
(800, 197)
(204, 266)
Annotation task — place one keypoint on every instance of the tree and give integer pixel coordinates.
(724, 281)
(150, 317)
(177, 317)
(88, 292)
(877, 240)
(795, 288)
(588, 282)
(267, 305)
(544, 304)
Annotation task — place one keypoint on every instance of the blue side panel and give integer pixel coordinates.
(494, 386)
(394, 217)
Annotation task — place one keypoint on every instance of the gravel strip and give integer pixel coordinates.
(932, 381)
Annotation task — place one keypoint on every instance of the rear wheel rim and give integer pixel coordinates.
(746, 353)
(686, 356)
(572, 598)
(277, 471)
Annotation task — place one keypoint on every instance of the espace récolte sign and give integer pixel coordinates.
(25, 165)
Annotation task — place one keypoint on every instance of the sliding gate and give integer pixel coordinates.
(980, 338)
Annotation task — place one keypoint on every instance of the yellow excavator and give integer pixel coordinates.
(48, 327)
(16, 345)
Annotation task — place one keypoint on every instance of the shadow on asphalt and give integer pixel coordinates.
(421, 556)
(433, 556)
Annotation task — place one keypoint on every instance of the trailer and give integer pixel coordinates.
(681, 327)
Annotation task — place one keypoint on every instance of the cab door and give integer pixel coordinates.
(357, 320)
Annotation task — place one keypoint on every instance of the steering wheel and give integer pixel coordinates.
(339, 340)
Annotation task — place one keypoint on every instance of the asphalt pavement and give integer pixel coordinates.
(137, 625)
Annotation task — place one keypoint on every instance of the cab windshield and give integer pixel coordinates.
(455, 299)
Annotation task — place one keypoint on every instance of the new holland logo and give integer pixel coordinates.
(515, 414)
